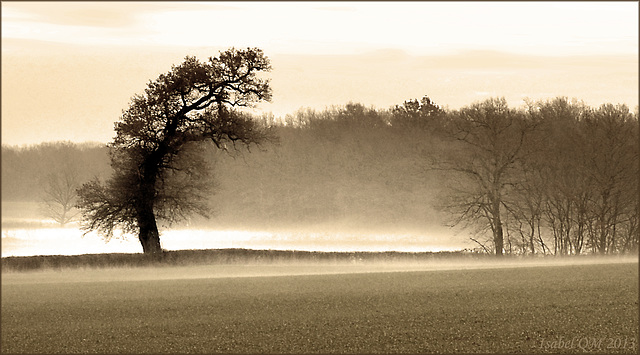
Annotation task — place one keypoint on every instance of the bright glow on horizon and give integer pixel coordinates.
(70, 241)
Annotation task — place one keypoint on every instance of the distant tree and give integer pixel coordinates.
(416, 113)
(157, 173)
(60, 197)
(63, 168)
(487, 143)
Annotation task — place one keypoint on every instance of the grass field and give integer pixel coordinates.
(534, 309)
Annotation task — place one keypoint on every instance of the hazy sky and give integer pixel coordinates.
(69, 69)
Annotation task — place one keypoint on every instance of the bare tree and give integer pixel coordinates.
(562, 165)
(613, 167)
(60, 197)
(63, 164)
(526, 207)
(589, 171)
(488, 142)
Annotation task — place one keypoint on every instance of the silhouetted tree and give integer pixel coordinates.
(153, 175)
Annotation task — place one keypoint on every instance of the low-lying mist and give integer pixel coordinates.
(326, 263)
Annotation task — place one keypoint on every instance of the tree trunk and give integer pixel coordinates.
(148, 234)
(498, 234)
(498, 239)
(148, 229)
(532, 236)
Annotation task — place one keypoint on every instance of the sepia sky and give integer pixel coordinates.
(69, 68)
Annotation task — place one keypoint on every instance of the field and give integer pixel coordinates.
(315, 308)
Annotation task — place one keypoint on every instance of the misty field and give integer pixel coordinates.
(550, 308)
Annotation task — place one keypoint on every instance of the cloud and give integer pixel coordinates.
(81, 14)
(97, 14)
(300, 27)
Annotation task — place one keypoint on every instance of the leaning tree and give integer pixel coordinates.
(158, 170)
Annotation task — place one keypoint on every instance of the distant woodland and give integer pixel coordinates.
(555, 177)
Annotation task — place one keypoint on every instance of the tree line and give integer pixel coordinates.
(50, 173)
(553, 177)
(568, 183)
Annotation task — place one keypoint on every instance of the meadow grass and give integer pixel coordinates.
(505, 310)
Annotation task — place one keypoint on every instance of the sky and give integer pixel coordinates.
(70, 68)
